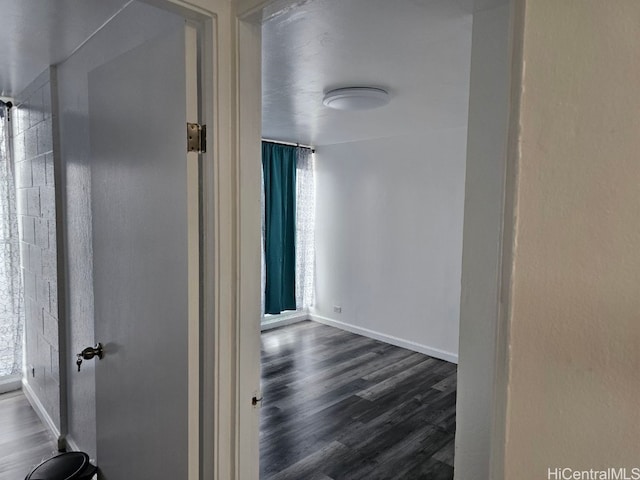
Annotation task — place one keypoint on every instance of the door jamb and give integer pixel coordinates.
(212, 379)
(228, 425)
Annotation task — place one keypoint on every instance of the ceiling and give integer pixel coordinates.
(419, 50)
(39, 33)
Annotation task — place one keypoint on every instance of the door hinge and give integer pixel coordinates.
(196, 138)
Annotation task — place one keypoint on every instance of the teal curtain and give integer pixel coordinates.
(279, 173)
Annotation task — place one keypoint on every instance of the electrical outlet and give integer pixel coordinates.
(337, 309)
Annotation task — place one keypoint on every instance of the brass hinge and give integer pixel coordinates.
(196, 138)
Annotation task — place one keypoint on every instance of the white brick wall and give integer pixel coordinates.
(33, 151)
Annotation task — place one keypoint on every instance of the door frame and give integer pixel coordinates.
(218, 253)
(202, 340)
(217, 339)
(480, 440)
(230, 237)
(231, 107)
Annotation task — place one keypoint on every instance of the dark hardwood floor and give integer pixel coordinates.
(339, 406)
(24, 441)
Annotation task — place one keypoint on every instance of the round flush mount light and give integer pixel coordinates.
(356, 98)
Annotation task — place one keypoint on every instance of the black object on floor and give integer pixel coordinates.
(66, 466)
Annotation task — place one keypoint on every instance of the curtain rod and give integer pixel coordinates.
(278, 142)
(8, 106)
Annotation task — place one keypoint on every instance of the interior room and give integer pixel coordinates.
(474, 318)
(385, 203)
(375, 169)
(379, 205)
(379, 212)
(94, 334)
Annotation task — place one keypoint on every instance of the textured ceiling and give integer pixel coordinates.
(39, 33)
(419, 50)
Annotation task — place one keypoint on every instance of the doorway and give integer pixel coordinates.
(74, 137)
(389, 197)
(480, 368)
(231, 239)
(140, 195)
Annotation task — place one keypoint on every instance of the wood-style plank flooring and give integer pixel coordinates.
(339, 406)
(24, 441)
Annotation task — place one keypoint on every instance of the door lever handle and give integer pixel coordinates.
(88, 353)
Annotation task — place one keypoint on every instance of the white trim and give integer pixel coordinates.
(41, 411)
(72, 446)
(193, 257)
(398, 342)
(246, 249)
(215, 340)
(215, 38)
(10, 383)
(275, 321)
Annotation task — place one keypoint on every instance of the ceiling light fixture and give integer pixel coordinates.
(356, 98)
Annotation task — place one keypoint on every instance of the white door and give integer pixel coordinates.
(145, 260)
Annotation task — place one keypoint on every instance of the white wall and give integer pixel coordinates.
(481, 257)
(36, 207)
(389, 238)
(132, 27)
(575, 329)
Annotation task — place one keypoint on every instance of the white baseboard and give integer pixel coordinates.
(275, 321)
(72, 446)
(42, 413)
(10, 384)
(398, 342)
